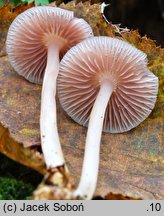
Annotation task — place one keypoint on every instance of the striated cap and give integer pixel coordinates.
(31, 33)
(88, 64)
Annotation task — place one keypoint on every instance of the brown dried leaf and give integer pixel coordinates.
(132, 163)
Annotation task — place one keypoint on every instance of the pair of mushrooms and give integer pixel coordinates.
(103, 83)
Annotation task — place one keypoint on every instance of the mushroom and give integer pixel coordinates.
(35, 41)
(104, 83)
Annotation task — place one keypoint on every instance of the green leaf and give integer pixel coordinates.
(14, 3)
(38, 2)
(2, 2)
(27, 1)
(42, 2)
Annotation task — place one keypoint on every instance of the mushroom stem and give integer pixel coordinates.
(50, 142)
(90, 168)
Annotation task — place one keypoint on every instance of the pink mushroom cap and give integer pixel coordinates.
(32, 31)
(99, 59)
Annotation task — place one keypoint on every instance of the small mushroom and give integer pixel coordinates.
(104, 83)
(36, 40)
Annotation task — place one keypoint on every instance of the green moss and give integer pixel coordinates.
(16, 180)
(29, 132)
(12, 189)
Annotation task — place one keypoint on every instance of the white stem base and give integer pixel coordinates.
(48, 121)
(90, 168)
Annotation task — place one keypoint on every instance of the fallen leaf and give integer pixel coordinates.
(132, 163)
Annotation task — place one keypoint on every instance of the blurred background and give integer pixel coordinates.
(145, 15)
